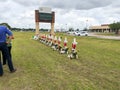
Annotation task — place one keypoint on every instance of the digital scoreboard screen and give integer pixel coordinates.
(45, 16)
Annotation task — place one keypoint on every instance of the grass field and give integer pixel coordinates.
(41, 68)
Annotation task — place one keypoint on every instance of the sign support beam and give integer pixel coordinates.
(44, 17)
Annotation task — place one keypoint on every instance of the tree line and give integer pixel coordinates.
(115, 26)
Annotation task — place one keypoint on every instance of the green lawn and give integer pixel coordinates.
(41, 68)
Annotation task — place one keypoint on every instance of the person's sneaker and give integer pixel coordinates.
(1, 75)
(4, 63)
(13, 71)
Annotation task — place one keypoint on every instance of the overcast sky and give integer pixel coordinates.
(68, 13)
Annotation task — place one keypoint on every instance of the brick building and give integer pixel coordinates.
(102, 28)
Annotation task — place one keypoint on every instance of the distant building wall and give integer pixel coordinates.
(102, 28)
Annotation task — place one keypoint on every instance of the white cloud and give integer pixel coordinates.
(27, 3)
(68, 13)
(78, 5)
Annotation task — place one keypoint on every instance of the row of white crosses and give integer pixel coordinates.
(73, 53)
(55, 44)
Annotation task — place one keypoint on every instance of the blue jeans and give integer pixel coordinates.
(4, 49)
(3, 56)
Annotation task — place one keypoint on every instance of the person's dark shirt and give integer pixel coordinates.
(3, 32)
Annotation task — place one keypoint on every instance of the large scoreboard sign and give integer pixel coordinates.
(45, 17)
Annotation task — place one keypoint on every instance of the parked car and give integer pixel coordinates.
(71, 33)
(81, 33)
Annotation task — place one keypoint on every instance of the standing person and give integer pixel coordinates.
(0, 55)
(9, 45)
(3, 47)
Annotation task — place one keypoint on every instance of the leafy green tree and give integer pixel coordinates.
(115, 27)
(71, 29)
(85, 29)
(77, 29)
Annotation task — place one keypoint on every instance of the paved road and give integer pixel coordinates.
(106, 37)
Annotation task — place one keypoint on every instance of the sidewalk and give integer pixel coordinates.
(106, 37)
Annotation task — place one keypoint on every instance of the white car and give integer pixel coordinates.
(81, 33)
(71, 33)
